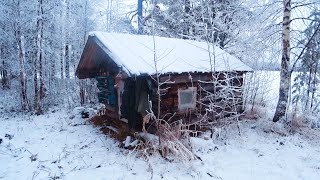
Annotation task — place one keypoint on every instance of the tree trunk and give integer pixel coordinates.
(4, 70)
(35, 76)
(82, 84)
(22, 77)
(61, 62)
(140, 23)
(62, 41)
(67, 42)
(314, 85)
(307, 104)
(67, 61)
(41, 60)
(42, 90)
(52, 70)
(39, 93)
(285, 74)
(186, 28)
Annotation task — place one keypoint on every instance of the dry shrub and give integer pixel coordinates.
(175, 143)
(302, 121)
(171, 142)
(297, 122)
(254, 113)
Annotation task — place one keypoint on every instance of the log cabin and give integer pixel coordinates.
(175, 79)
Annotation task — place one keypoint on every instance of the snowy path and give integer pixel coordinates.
(65, 148)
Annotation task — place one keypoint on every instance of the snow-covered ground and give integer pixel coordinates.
(55, 146)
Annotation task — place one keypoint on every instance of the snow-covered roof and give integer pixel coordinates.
(136, 55)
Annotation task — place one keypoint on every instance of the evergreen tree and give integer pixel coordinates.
(304, 87)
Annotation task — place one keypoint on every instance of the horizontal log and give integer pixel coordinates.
(204, 77)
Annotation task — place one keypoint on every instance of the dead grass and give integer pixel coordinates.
(254, 113)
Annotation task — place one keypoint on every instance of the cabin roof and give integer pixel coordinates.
(135, 54)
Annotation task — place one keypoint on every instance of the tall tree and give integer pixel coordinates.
(285, 74)
(38, 64)
(304, 87)
(140, 20)
(33, 41)
(188, 19)
(20, 39)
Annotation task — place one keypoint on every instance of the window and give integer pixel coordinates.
(187, 98)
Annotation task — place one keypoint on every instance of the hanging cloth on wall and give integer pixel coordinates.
(135, 101)
(128, 104)
(142, 93)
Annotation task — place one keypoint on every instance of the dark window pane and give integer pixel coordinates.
(186, 97)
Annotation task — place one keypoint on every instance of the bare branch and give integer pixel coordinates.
(304, 48)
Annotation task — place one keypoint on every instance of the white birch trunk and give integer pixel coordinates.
(285, 74)
(40, 55)
(67, 42)
(22, 74)
(63, 36)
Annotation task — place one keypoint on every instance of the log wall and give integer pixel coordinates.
(205, 87)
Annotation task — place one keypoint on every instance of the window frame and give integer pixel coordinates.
(192, 104)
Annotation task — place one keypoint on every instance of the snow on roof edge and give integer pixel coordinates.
(113, 56)
(115, 44)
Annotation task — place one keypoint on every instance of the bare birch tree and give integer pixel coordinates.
(38, 64)
(285, 74)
